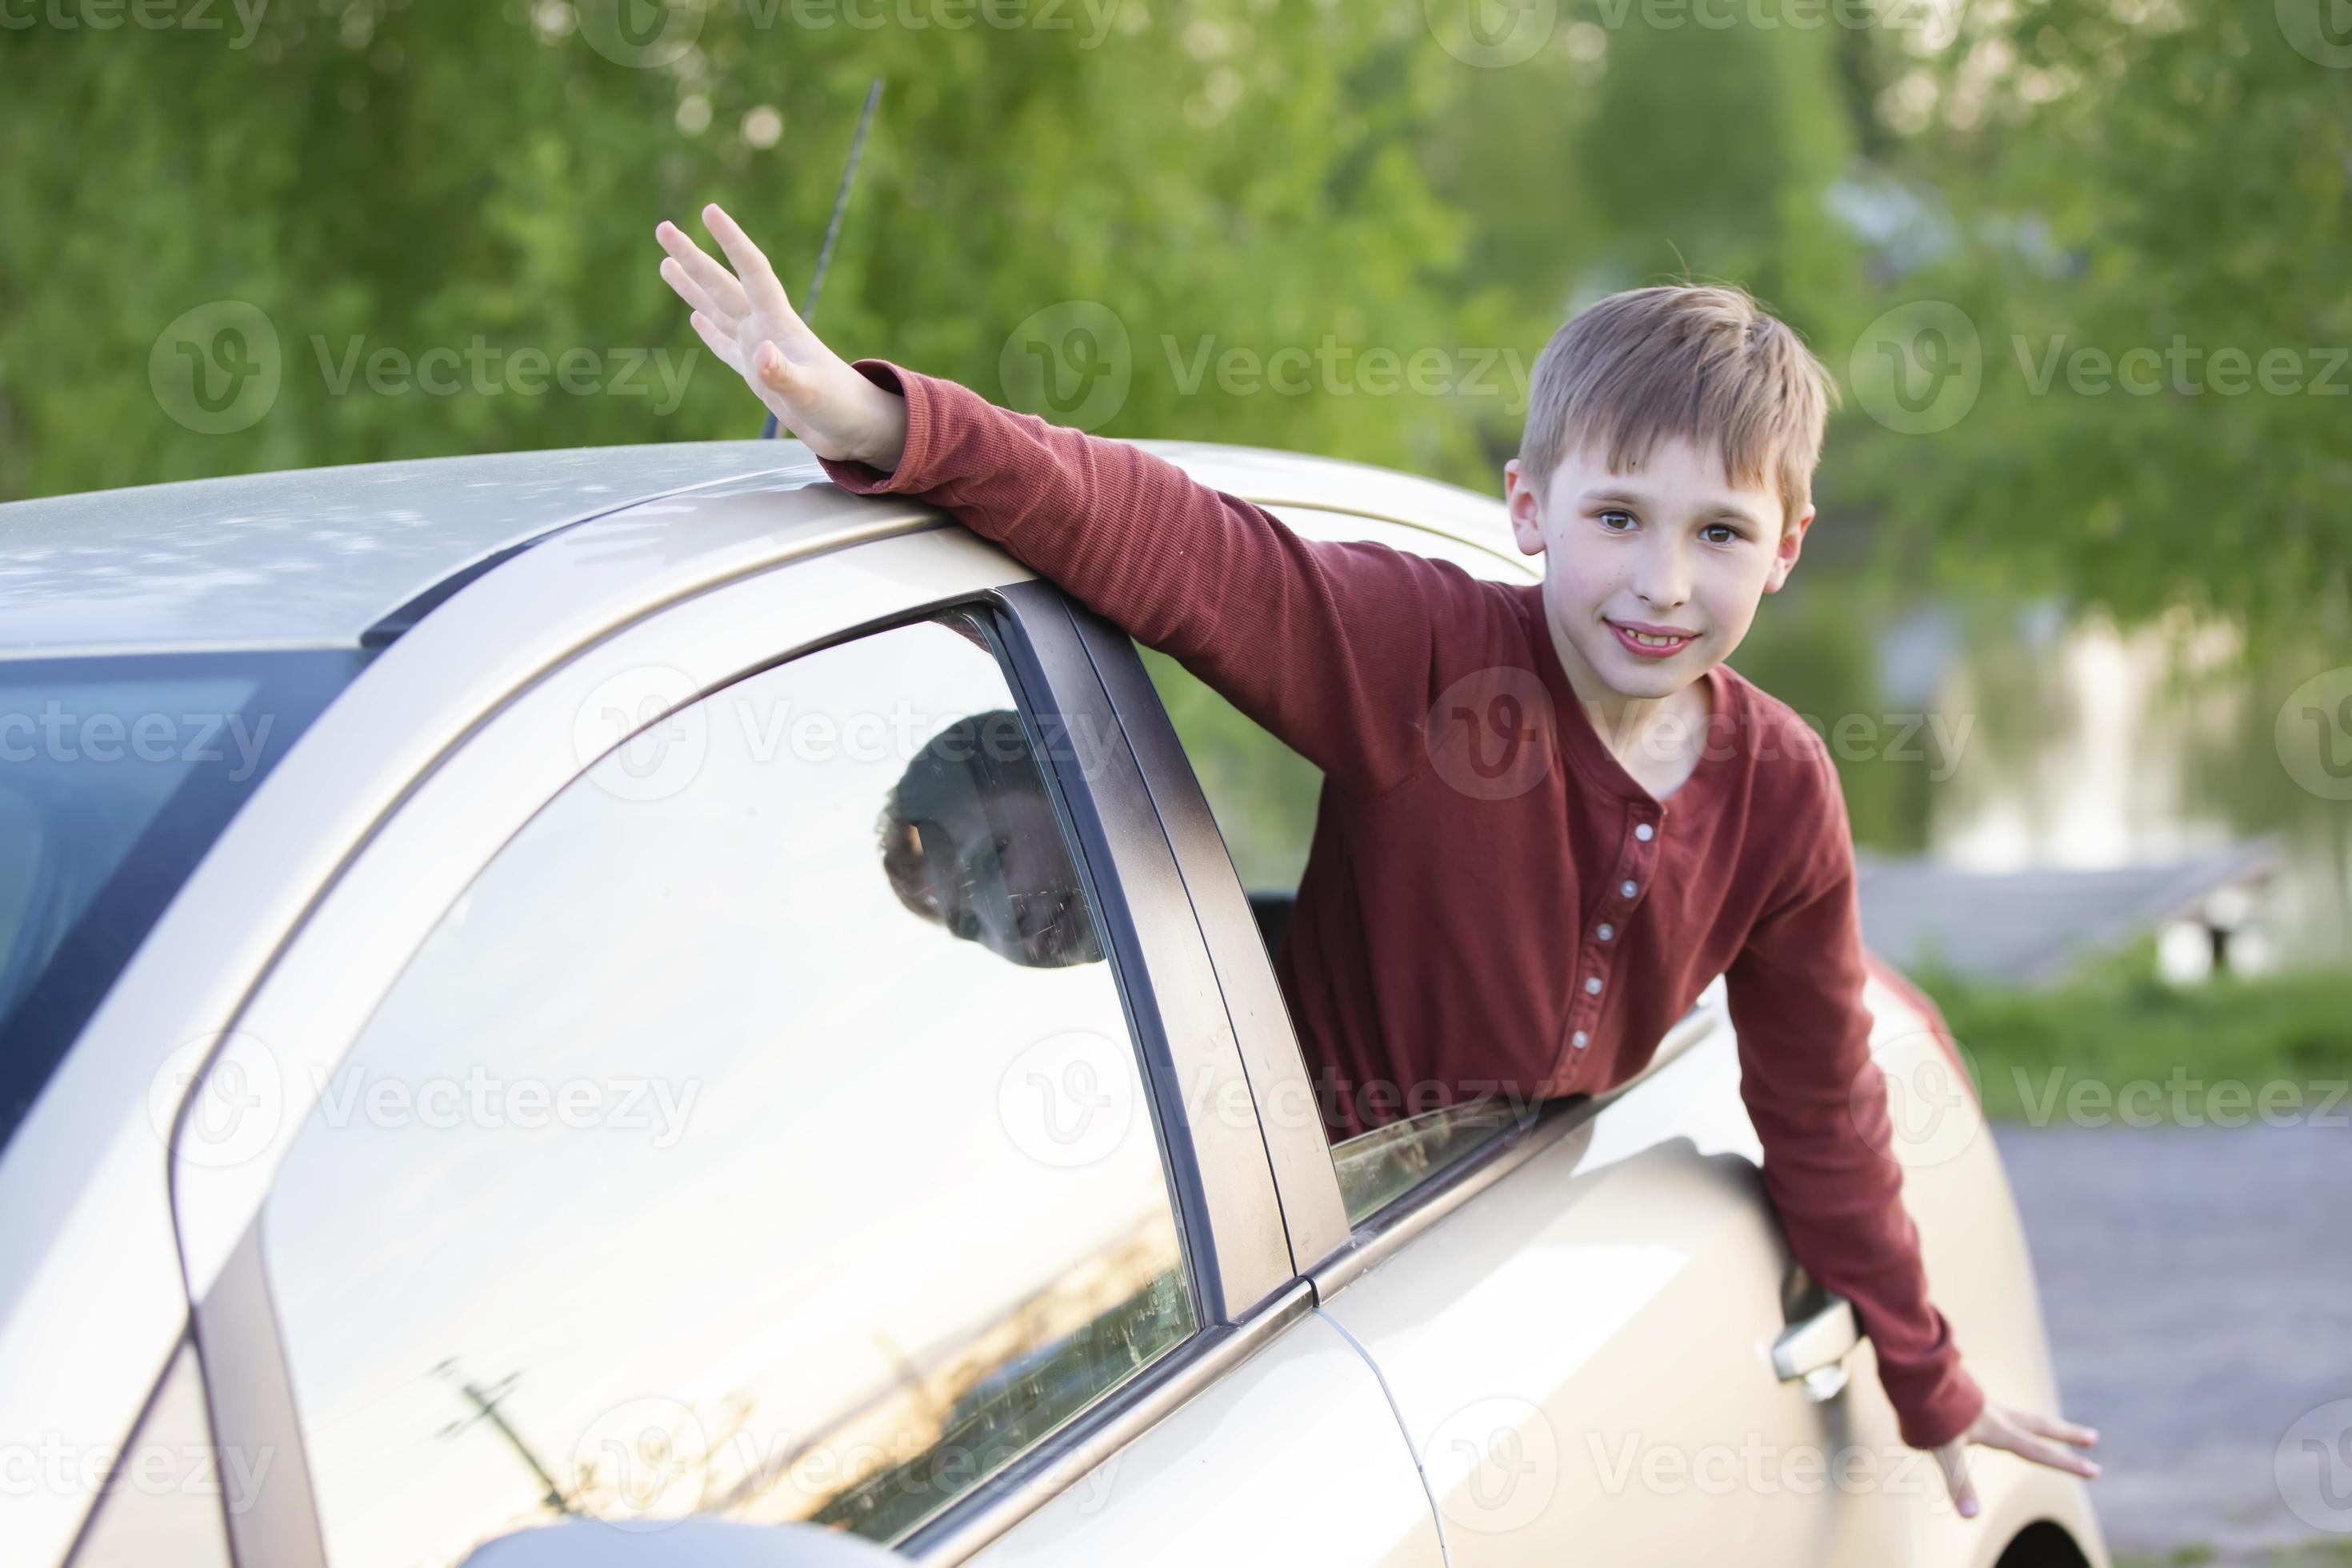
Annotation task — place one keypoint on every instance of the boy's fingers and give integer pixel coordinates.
(2051, 1455)
(1953, 1457)
(2057, 1427)
(687, 289)
(719, 285)
(722, 343)
(759, 286)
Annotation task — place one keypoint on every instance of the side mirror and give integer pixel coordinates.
(688, 1544)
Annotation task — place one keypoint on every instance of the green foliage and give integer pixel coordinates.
(1222, 175)
(412, 177)
(1264, 794)
(2116, 1025)
(2123, 177)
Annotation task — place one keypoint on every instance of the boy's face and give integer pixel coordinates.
(1651, 577)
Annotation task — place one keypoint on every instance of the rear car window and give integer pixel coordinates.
(117, 772)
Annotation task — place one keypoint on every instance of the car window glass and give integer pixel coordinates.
(117, 771)
(760, 1135)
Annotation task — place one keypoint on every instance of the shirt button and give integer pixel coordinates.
(1580, 1040)
(1626, 888)
(1606, 930)
(1645, 832)
(1593, 986)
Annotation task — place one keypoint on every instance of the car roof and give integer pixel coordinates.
(316, 557)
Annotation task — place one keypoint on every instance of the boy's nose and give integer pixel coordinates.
(1662, 582)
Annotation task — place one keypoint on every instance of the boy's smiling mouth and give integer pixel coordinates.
(1644, 641)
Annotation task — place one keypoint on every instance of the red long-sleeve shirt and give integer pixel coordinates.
(1491, 903)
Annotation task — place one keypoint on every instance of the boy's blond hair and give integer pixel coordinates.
(1703, 362)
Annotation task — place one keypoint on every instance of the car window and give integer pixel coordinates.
(1263, 797)
(760, 1135)
(117, 772)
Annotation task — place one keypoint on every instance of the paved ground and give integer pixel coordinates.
(2197, 1288)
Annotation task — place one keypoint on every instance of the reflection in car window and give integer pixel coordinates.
(1378, 1167)
(761, 1135)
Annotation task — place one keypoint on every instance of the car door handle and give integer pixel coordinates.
(1813, 1351)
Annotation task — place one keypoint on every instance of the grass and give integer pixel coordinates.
(2116, 1047)
(2314, 1554)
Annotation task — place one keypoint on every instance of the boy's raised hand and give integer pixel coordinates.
(747, 321)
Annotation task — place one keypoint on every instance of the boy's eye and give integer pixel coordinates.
(1718, 534)
(1616, 527)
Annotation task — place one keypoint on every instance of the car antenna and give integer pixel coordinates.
(768, 431)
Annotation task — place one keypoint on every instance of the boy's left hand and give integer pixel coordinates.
(2024, 1432)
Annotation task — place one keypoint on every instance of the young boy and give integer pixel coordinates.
(1551, 815)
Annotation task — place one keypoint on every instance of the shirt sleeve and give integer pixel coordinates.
(1331, 646)
(1818, 1100)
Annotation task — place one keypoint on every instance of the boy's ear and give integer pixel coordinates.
(1792, 544)
(1526, 508)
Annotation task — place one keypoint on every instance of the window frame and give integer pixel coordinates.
(388, 897)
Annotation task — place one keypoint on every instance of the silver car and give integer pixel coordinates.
(629, 1007)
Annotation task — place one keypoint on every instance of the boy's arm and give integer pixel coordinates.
(1330, 647)
(1819, 1103)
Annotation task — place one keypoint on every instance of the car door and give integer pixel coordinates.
(770, 1070)
(1577, 1314)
